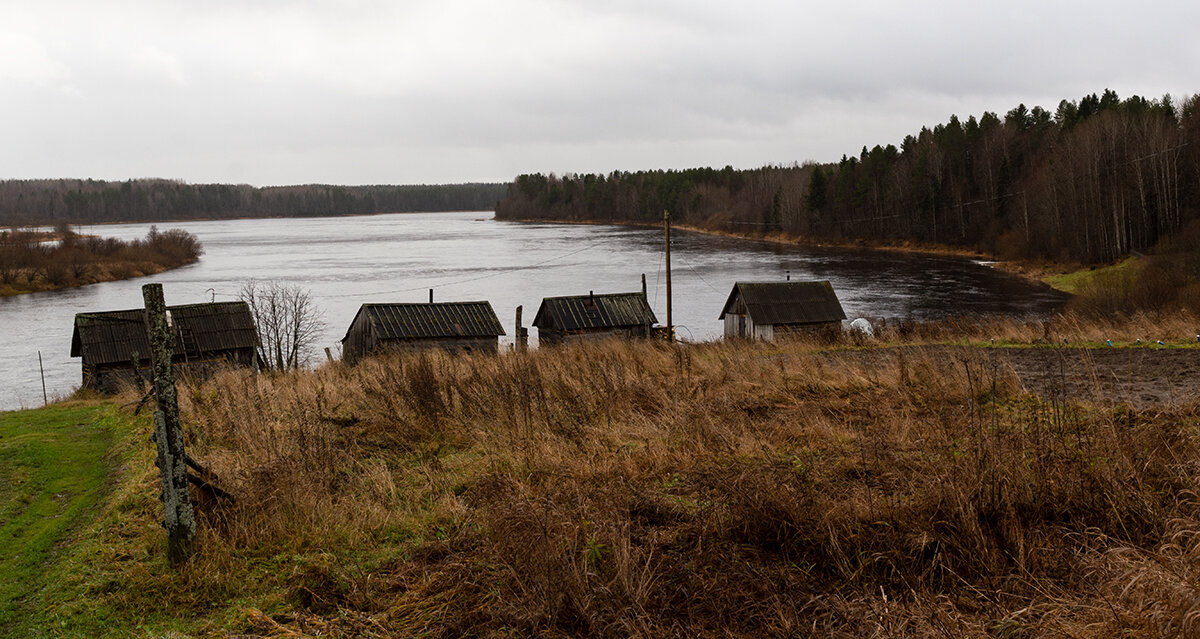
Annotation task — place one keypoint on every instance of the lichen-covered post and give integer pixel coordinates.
(178, 517)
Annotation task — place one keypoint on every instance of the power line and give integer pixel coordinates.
(469, 279)
(693, 269)
(455, 282)
(451, 282)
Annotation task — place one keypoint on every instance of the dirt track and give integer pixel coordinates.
(1141, 377)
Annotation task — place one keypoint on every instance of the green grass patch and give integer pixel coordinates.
(1076, 281)
(83, 552)
(52, 474)
(100, 569)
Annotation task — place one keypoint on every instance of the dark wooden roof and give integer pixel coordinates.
(787, 302)
(610, 310)
(113, 336)
(431, 320)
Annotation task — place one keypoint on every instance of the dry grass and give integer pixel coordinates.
(1075, 328)
(716, 490)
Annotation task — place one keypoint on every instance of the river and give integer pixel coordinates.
(347, 261)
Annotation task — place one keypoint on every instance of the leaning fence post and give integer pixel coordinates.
(178, 517)
(42, 369)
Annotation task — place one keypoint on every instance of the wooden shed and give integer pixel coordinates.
(769, 310)
(462, 326)
(575, 317)
(207, 336)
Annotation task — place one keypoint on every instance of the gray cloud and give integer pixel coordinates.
(274, 92)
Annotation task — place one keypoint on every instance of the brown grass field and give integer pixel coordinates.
(935, 486)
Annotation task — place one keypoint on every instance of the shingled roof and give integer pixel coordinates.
(113, 336)
(431, 320)
(787, 302)
(610, 310)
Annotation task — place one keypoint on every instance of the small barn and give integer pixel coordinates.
(207, 336)
(770, 310)
(575, 317)
(455, 326)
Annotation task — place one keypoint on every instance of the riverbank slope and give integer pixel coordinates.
(934, 484)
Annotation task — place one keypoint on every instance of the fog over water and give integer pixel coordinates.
(348, 261)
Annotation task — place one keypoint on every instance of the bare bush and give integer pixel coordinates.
(288, 322)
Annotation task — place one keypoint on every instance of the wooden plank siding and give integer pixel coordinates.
(775, 310)
(581, 317)
(453, 326)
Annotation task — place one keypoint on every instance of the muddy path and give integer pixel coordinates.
(1143, 377)
(1140, 377)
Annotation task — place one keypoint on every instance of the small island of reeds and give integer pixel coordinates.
(32, 261)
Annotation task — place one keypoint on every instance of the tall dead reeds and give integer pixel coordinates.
(641, 489)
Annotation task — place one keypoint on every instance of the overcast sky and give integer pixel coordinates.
(362, 92)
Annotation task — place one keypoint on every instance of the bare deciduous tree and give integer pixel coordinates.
(288, 322)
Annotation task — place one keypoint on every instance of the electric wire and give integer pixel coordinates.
(451, 282)
(693, 269)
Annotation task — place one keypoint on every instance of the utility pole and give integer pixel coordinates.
(667, 236)
(1025, 206)
(178, 517)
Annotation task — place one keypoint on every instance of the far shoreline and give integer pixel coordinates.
(240, 217)
(1033, 271)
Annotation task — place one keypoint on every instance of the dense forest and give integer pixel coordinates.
(50, 202)
(1092, 180)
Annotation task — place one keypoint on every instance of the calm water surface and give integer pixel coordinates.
(346, 262)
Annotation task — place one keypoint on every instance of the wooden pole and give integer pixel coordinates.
(42, 368)
(667, 237)
(1025, 206)
(328, 354)
(521, 337)
(178, 517)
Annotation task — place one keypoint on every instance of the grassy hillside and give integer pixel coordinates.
(1081, 280)
(643, 490)
(53, 466)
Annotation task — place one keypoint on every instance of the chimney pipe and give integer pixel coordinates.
(430, 296)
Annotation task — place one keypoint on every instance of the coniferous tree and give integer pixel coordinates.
(1092, 180)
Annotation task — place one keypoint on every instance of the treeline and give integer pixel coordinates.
(49, 202)
(1092, 180)
(41, 261)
